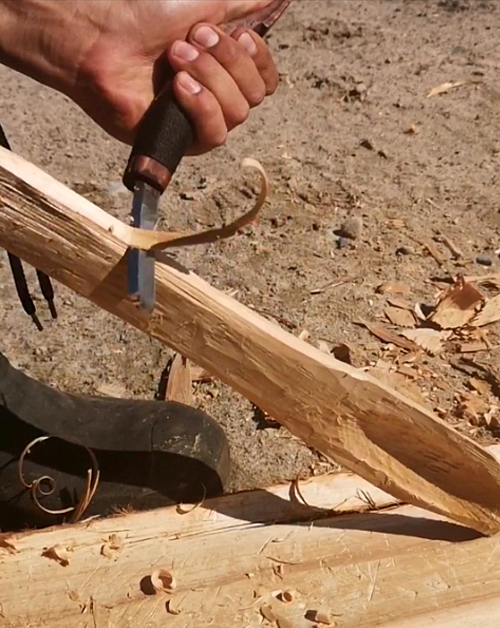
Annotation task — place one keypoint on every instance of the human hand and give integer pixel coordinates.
(112, 56)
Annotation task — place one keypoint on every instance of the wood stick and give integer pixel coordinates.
(398, 568)
(348, 415)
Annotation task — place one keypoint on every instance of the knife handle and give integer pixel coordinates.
(165, 132)
(163, 137)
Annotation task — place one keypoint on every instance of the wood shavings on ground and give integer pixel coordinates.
(458, 306)
(386, 335)
(393, 287)
(489, 314)
(399, 317)
(445, 87)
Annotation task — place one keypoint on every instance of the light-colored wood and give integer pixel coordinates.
(400, 567)
(180, 385)
(375, 431)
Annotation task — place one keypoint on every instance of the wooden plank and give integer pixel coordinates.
(392, 568)
(348, 415)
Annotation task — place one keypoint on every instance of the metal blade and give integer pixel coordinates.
(141, 264)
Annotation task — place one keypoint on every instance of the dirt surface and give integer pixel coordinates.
(351, 132)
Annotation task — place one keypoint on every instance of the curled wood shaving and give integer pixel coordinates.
(37, 486)
(163, 580)
(185, 511)
(161, 240)
(58, 553)
(286, 596)
(112, 546)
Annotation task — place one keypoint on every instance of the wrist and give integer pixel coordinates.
(33, 40)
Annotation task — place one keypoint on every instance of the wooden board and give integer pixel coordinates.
(378, 433)
(400, 567)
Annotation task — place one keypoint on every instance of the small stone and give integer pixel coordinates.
(404, 250)
(366, 143)
(342, 242)
(351, 228)
(484, 260)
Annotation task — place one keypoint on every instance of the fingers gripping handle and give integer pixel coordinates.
(166, 133)
(162, 140)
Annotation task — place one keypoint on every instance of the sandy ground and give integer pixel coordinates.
(350, 132)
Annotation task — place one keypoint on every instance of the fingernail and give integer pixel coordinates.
(185, 51)
(206, 37)
(188, 83)
(248, 44)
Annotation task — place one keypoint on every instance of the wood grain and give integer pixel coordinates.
(375, 431)
(399, 567)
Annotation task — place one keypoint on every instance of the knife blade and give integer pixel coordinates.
(162, 139)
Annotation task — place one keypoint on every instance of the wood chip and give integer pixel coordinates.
(445, 87)
(386, 335)
(399, 302)
(399, 317)
(393, 287)
(491, 281)
(431, 340)
(431, 249)
(489, 314)
(472, 408)
(179, 386)
(479, 385)
(163, 580)
(473, 347)
(452, 247)
(458, 306)
(112, 546)
(58, 553)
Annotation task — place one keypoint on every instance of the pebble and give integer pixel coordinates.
(404, 250)
(351, 228)
(342, 242)
(484, 260)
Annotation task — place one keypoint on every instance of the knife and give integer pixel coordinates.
(162, 139)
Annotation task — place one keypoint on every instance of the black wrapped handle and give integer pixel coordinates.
(166, 133)
(163, 138)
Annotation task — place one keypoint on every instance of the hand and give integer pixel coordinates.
(112, 56)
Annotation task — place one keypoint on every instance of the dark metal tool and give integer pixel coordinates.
(164, 135)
